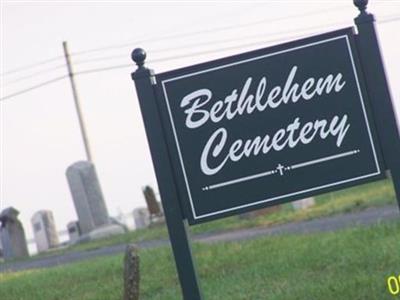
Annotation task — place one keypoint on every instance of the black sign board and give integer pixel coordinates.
(272, 125)
(268, 126)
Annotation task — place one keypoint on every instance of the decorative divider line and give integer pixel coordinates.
(280, 169)
(218, 185)
(320, 160)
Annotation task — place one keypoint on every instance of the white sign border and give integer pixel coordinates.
(163, 82)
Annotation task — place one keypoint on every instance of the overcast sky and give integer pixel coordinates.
(40, 135)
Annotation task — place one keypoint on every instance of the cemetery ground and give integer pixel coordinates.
(353, 199)
(347, 264)
(353, 263)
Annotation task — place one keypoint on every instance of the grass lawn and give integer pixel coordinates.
(352, 199)
(348, 264)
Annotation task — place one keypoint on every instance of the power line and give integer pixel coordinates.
(131, 65)
(30, 66)
(153, 51)
(389, 20)
(45, 71)
(191, 45)
(125, 66)
(197, 53)
(204, 31)
(214, 42)
(33, 87)
(160, 50)
(174, 57)
(170, 36)
(193, 54)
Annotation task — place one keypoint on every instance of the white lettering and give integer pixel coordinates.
(218, 153)
(203, 108)
(194, 109)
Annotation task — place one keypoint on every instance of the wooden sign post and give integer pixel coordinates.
(266, 127)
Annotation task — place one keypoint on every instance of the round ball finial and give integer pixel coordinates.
(361, 4)
(139, 56)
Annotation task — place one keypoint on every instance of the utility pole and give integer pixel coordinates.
(77, 104)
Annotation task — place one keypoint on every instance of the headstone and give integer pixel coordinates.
(74, 231)
(142, 217)
(117, 222)
(304, 203)
(152, 204)
(1, 250)
(131, 273)
(12, 235)
(260, 212)
(87, 196)
(76, 236)
(44, 230)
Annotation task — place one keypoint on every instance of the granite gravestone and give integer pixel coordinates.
(87, 196)
(44, 230)
(260, 212)
(303, 203)
(74, 231)
(1, 250)
(12, 235)
(152, 204)
(142, 217)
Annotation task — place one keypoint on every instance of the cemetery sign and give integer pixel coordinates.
(268, 126)
(273, 125)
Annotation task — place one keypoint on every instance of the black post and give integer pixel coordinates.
(378, 90)
(177, 228)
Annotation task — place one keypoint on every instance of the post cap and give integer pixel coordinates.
(139, 56)
(361, 4)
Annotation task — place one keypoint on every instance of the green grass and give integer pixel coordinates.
(347, 264)
(352, 199)
(136, 236)
(348, 200)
